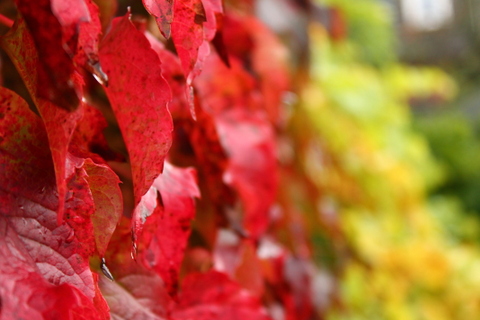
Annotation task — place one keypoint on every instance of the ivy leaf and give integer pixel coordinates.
(25, 294)
(55, 71)
(188, 36)
(89, 32)
(135, 297)
(173, 74)
(103, 183)
(56, 256)
(138, 94)
(60, 124)
(138, 292)
(230, 96)
(164, 254)
(163, 12)
(213, 295)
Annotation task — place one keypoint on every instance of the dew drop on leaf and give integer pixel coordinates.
(98, 74)
(105, 269)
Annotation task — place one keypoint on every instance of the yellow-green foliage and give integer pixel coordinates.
(411, 259)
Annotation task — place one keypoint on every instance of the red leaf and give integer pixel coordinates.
(103, 184)
(139, 95)
(55, 70)
(135, 297)
(88, 38)
(214, 17)
(58, 254)
(213, 295)
(188, 36)
(178, 188)
(252, 42)
(246, 135)
(163, 12)
(249, 142)
(25, 294)
(59, 123)
(137, 293)
(173, 74)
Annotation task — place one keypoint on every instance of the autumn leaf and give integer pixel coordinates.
(56, 70)
(246, 135)
(213, 295)
(138, 94)
(163, 12)
(57, 255)
(164, 254)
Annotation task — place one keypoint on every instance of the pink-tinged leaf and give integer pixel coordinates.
(103, 183)
(25, 294)
(88, 39)
(135, 297)
(137, 293)
(248, 139)
(238, 258)
(212, 295)
(27, 202)
(288, 277)
(139, 95)
(214, 17)
(188, 36)
(164, 254)
(163, 12)
(230, 96)
(173, 74)
(59, 123)
(55, 71)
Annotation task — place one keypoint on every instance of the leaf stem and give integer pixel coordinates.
(6, 21)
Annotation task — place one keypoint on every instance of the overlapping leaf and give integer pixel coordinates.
(56, 256)
(164, 253)
(56, 70)
(138, 94)
(245, 134)
(213, 296)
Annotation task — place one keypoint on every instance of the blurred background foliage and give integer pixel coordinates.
(395, 156)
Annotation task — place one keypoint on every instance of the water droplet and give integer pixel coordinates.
(133, 253)
(105, 269)
(98, 74)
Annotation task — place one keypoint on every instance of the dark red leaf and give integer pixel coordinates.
(164, 254)
(88, 38)
(214, 17)
(25, 294)
(173, 74)
(246, 135)
(139, 95)
(59, 123)
(56, 255)
(137, 293)
(213, 295)
(163, 12)
(249, 142)
(188, 36)
(55, 71)
(135, 297)
(103, 184)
